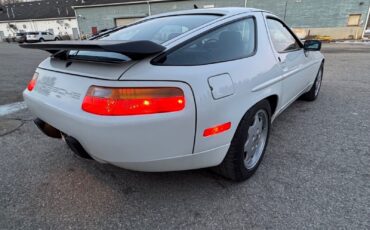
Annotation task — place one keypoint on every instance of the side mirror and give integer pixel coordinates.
(312, 45)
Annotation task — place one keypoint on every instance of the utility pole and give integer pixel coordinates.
(285, 10)
(366, 23)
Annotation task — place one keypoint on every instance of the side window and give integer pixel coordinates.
(229, 42)
(282, 39)
(44, 33)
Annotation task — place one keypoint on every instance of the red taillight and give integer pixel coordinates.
(133, 101)
(32, 83)
(217, 129)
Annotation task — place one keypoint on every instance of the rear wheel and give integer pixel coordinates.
(41, 40)
(248, 145)
(315, 90)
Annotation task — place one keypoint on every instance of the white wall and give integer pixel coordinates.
(60, 26)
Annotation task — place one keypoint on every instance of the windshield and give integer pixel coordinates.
(158, 30)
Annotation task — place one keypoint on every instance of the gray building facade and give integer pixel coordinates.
(339, 19)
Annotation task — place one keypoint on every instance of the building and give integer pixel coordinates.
(54, 16)
(339, 19)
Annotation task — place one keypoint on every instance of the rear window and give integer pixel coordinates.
(158, 30)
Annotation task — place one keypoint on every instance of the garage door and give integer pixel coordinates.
(125, 21)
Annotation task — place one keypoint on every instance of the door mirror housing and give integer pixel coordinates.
(312, 45)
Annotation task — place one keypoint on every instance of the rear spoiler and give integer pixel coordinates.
(132, 49)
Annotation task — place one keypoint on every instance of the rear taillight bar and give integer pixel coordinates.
(31, 85)
(110, 101)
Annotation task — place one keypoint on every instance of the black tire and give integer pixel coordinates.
(41, 40)
(56, 39)
(315, 89)
(233, 166)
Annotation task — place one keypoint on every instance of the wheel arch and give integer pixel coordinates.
(273, 100)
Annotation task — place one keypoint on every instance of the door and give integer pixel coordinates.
(125, 21)
(291, 57)
(94, 30)
(75, 33)
(50, 36)
(44, 35)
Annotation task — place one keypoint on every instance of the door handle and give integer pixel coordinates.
(281, 61)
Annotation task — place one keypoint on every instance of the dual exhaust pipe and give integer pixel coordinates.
(52, 132)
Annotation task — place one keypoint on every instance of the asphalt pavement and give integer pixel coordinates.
(17, 66)
(315, 174)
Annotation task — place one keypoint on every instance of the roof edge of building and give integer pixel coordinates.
(39, 19)
(124, 3)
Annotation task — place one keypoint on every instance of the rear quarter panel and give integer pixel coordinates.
(246, 74)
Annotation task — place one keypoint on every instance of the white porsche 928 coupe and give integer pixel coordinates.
(175, 91)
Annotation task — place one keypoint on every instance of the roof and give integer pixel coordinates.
(117, 3)
(47, 9)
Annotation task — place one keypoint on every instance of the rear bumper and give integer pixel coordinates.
(103, 151)
(32, 39)
(157, 142)
(209, 158)
(20, 39)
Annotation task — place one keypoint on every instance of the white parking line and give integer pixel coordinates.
(12, 108)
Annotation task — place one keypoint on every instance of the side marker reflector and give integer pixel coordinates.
(217, 129)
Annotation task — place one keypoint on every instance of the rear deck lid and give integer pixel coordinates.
(83, 68)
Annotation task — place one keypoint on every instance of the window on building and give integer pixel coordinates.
(354, 20)
(282, 39)
(230, 42)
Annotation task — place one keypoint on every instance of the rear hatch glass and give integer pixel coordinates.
(158, 30)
